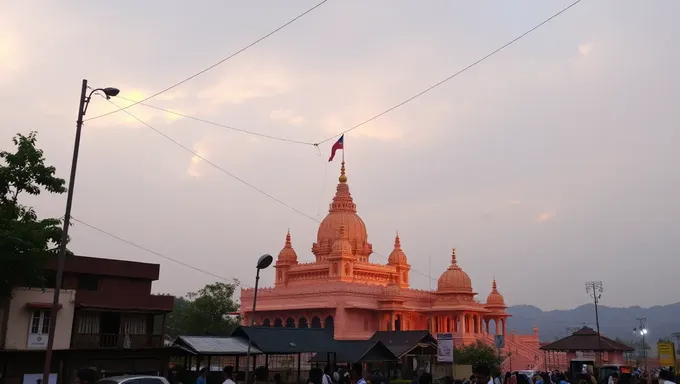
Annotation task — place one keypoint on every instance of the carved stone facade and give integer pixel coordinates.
(345, 291)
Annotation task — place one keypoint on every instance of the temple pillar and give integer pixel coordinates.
(486, 321)
(391, 325)
(479, 324)
(498, 325)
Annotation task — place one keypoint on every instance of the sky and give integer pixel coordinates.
(549, 164)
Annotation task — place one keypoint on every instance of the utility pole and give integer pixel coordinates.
(594, 289)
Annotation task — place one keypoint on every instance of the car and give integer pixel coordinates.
(132, 379)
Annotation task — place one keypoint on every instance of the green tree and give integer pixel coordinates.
(204, 313)
(25, 240)
(479, 353)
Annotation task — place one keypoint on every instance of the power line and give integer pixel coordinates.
(177, 143)
(214, 123)
(219, 62)
(314, 219)
(450, 77)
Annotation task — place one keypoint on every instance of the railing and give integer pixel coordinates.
(113, 340)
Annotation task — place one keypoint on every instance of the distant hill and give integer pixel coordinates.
(662, 321)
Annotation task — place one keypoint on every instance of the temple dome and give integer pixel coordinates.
(454, 279)
(397, 256)
(495, 299)
(343, 212)
(287, 254)
(391, 289)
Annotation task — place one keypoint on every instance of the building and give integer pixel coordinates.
(344, 290)
(105, 308)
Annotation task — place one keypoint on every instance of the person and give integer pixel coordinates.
(202, 376)
(228, 374)
(666, 377)
(315, 376)
(357, 373)
(538, 379)
(326, 375)
(482, 374)
(613, 378)
(261, 375)
(425, 378)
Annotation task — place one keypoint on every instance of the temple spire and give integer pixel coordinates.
(454, 263)
(494, 288)
(397, 242)
(288, 243)
(343, 177)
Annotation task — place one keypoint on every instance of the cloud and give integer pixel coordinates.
(247, 84)
(515, 202)
(585, 49)
(127, 97)
(10, 54)
(195, 163)
(545, 216)
(286, 115)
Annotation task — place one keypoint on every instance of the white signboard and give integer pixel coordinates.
(37, 341)
(445, 347)
(36, 378)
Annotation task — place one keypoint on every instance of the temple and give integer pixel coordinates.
(346, 291)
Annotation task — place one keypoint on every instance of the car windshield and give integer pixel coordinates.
(106, 381)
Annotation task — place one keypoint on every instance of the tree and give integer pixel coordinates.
(25, 240)
(479, 353)
(204, 313)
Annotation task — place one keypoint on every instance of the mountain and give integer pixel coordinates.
(662, 321)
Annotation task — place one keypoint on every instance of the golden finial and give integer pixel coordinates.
(288, 244)
(343, 177)
(453, 257)
(397, 242)
(493, 286)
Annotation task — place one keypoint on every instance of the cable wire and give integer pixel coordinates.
(177, 143)
(219, 62)
(450, 77)
(314, 219)
(215, 124)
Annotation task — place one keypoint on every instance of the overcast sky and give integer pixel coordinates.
(547, 165)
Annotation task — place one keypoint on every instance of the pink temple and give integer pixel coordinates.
(345, 291)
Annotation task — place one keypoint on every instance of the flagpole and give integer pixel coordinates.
(343, 149)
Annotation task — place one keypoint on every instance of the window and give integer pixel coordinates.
(40, 323)
(88, 282)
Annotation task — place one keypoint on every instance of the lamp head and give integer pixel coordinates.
(111, 92)
(264, 261)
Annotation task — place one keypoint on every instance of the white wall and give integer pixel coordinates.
(19, 320)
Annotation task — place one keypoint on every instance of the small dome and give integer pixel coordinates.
(495, 299)
(454, 279)
(287, 254)
(397, 256)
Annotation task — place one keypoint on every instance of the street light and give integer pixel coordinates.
(263, 262)
(641, 330)
(82, 109)
(595, 289)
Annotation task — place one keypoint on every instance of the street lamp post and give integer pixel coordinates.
(263, 262)
(594, 289)
(641, 330)
(82, 110)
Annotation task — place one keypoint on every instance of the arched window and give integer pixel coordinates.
(266, 323)
(316, 322)
(278, 323)
(302, 323)
(329, 323)
(290, 323)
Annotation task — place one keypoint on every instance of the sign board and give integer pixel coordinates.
(36, 378)
(666, 353)
(36, 341)
(445, 347)
(499, 341)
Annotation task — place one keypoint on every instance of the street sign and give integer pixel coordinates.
(499, 341)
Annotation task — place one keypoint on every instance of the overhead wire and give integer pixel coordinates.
(177, 84)
(194, 153)
(428, 89)
(261, 191)
(214, 123)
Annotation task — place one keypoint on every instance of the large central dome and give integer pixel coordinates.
(342, 212)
